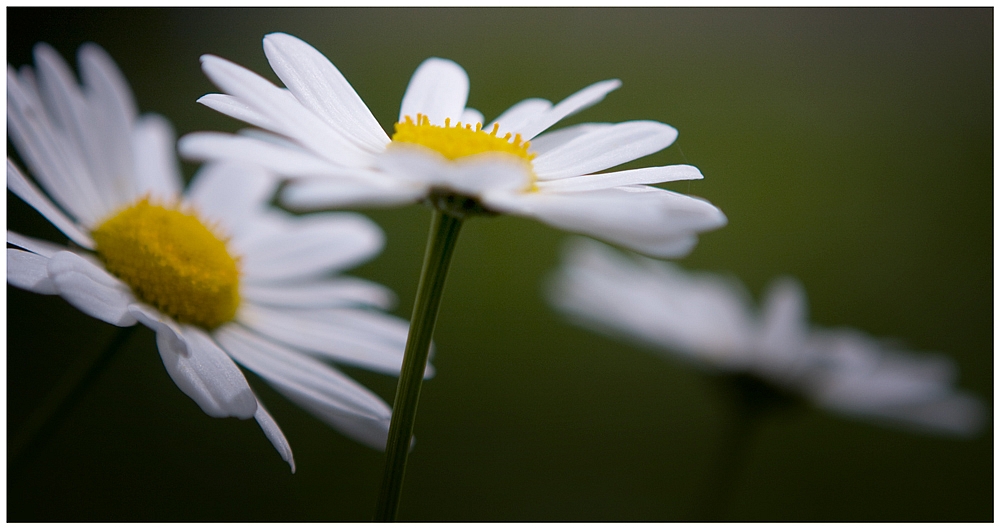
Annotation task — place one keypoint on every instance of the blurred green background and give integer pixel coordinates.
(851, 148)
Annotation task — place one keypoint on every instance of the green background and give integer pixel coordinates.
(851, 148)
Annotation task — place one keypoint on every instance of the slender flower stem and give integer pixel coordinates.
(440, 246)
(73, 384)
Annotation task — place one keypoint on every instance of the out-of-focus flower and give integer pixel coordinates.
(322, 136)
(710, 321)
(216, 273)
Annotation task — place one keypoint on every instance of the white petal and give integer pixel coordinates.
(50, 156)
(219, 380)
(603, 148)
(309, 382)
(311, 245)
(235, 108)
(339, 292)
(27, 191)
(200, 368)
(277, 158)
(230, 194)
(784, 325)
(371, 340)
(323, 193)
(648, 220)
(289, 117)
(157, 171)
(274, 434)
(957, 414)
(703, 317)
(470, 175)
(472, 116)
(91, 289)
(544, 143)
(438, 89)
(320, 87)
(522, 113)
(168, 332)
(857, 376)
(29, 271)
(70, 113)
(43, 248)
(591, 95)
(112, 113)
(645, 175)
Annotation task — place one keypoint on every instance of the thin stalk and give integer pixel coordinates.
(440, 246)
(738, 432)
(59, 402)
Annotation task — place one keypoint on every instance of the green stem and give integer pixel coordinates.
(46, 417)
(440, 246)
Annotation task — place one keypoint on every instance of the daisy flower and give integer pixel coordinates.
(709, 321)
(218, 275)
(318, 133)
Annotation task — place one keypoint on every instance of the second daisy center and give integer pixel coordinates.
(172, 261)
(454, 142)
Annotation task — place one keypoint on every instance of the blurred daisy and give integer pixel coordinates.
(321, 135)
(710, 321)
(214, 272)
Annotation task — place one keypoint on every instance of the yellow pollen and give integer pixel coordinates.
(459, 141)
(172, 261)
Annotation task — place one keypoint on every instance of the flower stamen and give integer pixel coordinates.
(454, 142)
(172, 261)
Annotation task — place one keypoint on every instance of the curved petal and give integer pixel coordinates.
(310, 245)
(645, 175)
(289, 117)
(603, 148)
(339, 292)
(322, 193)
(371, 340)
(321, 88)
(91, 289)
(112, 111)
(438, 89)
(199, 367)
(698, 316)
(784, 319)
(515, 117)
(83, 131)
(29, 271)
(33, 245)
(585, 98)
(23, 188)
(544, 143)
(281, 159)
(56, 165)
(320, 389)
(156, 171)
(274, 434)
(236, 108)
(230, 194)
(648, 220)
(471, 175)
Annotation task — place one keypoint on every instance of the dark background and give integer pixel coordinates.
(851, 148)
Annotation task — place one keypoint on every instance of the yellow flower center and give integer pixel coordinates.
(172, 261)
(459, 141)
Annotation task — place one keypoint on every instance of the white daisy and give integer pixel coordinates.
(214, 272)
(710, 321)
(322, 136)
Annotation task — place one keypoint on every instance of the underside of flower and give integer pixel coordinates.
(172, 261)
(459, 141)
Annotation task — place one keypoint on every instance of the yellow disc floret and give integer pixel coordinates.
(172, 261)
(461, 140)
